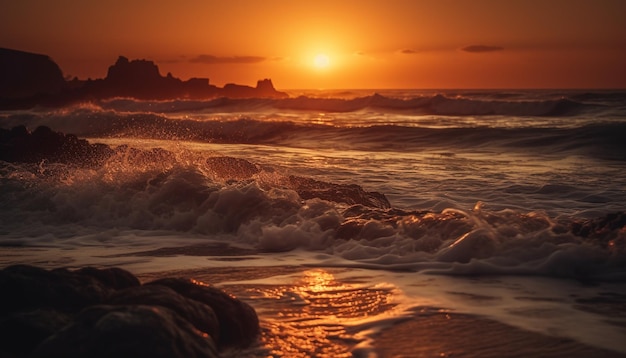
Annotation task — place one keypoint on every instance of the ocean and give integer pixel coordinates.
(356, 222)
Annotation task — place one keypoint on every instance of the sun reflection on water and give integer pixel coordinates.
(311, 315)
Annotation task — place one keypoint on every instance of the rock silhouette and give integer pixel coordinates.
(28, 80)
(21, 145)
(24, 75)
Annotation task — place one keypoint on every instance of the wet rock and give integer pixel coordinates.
(239, 324)
(27, 287)
(20, 145)
(127, 331)
(351, 194)
(93, 312)
(21, 331)
(113, 277)
(201, 316)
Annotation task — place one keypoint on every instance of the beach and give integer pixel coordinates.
(398, 223)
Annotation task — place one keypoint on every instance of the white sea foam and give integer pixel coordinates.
(292, 182)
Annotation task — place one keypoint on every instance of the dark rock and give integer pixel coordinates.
(127, 331)
(141, 79)
(27, 287)
(28, 80)
(198, 314)
(239, 324)
(94, 312)
(22, 331)
(20, 145)
(344, 193)
(24, 74)
(264, 88)
(113, 277)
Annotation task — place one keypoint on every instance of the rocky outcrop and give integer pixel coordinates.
(28, 80)
(44, 144)
(350, 194)
(24, 74)
(139, 79)
(21, 145)
(264, 88)
(107, 313)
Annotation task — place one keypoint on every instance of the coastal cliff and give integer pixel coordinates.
(28, 80)
(24, 74)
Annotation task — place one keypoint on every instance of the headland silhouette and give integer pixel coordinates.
(28, 80)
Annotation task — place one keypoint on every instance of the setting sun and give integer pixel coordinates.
(321, 61)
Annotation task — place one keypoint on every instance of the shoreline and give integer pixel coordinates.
(289, 322)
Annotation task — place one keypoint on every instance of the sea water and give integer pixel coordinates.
(484, 192)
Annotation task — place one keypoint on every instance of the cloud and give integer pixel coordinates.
(481, 48)
(408, 51)
(210, 59)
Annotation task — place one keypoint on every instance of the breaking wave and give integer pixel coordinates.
(602, 140)
(434, 104)
(245, 203)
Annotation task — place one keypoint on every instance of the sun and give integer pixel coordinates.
(321, 61)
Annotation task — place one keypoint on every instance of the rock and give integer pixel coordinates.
(93, 312)
(344, 193)
(28, 288)
(127, 331)
(141, 79)
(264, 88)
(239, 324)
(113, 277)
(137, 78)
(201, 316)
(28, 80)
(24, 74)
(22, 331)
(20, 145)
(265, 85)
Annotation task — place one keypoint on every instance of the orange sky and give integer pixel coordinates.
(370, 43)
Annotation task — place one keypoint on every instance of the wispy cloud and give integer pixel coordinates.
(481, 48)
(408, 51)
(210, 59)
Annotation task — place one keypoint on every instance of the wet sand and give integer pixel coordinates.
(311, 317)
(458, 335)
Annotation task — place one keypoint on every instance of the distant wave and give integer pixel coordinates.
(425, 105)
(602, 140)
(438, 104)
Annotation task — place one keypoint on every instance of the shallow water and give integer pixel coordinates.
(485, 190)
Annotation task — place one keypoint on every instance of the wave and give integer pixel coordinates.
(421, 105)
(240, 201)
(601, 139)
(438, 105)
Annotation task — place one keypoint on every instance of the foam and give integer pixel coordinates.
(197, 200)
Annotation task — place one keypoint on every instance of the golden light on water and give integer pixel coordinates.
(311, 315)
